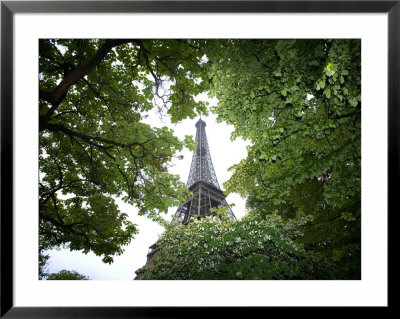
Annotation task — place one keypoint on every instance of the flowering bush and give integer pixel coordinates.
(253, 248)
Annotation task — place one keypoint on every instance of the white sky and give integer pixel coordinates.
(224, 154)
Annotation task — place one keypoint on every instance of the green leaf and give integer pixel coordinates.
(327, 92)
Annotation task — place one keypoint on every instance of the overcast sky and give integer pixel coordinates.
(224, 154)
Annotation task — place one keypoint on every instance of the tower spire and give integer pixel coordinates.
(202, 181)
(202, 168)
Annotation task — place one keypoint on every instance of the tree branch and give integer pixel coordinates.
(56, 96)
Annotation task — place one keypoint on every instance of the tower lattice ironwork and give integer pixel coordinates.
(202, 182)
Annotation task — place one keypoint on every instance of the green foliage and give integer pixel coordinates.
(253, 248)
(67, 275)
(93, 146)
(43, 260)
(299, 104)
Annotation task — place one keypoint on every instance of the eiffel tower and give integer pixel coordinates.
(202, 182)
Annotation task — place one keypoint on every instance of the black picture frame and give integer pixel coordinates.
(9, 8)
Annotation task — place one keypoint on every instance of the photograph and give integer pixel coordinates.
(130, 129)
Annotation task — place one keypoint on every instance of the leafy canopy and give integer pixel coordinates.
(299, 103)
(93, 145)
